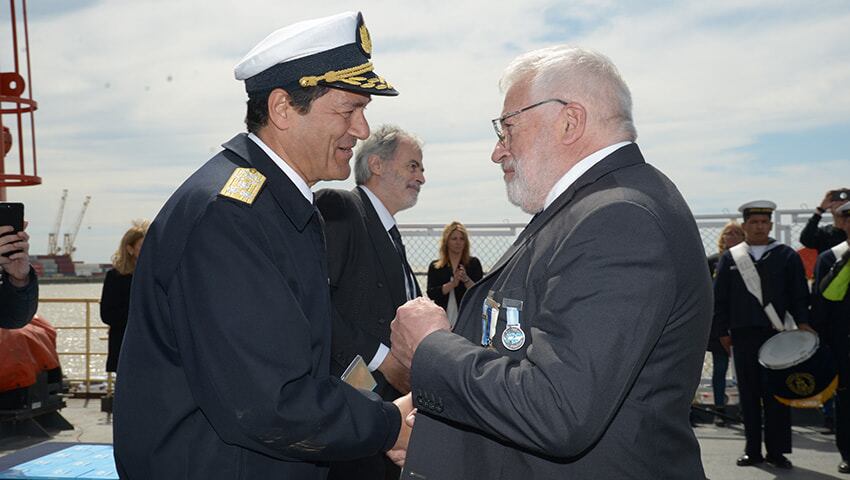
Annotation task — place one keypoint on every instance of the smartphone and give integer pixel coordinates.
(840, 195)
(12, 213)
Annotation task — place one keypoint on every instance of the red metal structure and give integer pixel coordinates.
(17, 107)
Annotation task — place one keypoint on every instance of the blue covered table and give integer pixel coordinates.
(56, 461)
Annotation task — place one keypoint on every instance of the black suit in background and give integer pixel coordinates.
(367, 286)
(832, 321)
(114, 310)
(439, 276)
(17, 305)
(615, 329)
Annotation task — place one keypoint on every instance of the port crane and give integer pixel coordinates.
(71, 237)
(53, 236)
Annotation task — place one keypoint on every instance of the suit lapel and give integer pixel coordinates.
(387, 255)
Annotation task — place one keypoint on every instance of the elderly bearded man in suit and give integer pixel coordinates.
(578, 355)
(369, 274)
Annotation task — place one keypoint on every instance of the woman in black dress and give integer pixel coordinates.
(731, 235)
(454, 272)
(115, 298)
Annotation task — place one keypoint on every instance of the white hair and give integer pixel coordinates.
(583, 76)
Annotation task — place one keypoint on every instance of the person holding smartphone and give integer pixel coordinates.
(826, 237)
(18, 283)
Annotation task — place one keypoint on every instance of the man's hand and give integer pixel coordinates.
(395, 373)
(414, 321)
(726, 342)
(399, 451)
(829, 204)
(16, 265)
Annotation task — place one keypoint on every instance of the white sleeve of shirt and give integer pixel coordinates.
(379, 357)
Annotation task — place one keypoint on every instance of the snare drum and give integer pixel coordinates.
(800, 370)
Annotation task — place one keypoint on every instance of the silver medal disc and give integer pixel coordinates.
(513, 338)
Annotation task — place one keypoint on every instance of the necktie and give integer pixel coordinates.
(408, 275)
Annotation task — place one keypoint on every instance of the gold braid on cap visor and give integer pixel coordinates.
(350, 76)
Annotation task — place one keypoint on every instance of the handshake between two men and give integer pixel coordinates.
(414, 321)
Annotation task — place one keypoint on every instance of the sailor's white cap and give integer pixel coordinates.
(762, 207)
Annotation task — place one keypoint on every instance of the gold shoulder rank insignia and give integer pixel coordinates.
(244, 185)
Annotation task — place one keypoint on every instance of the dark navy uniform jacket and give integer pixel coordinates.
(224, 370)
(783, 283)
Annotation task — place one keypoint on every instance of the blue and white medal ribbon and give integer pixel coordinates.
(489, 316)
(513, 338)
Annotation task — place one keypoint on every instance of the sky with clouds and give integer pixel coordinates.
(734, 100)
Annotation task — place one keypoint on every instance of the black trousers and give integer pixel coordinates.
(840, 345)
(756, 396)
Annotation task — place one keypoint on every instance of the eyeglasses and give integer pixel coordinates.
(499, 123)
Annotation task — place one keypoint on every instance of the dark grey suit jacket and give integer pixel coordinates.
(616, 310)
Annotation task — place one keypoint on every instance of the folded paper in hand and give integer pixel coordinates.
(358, 375)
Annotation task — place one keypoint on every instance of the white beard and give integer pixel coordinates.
(527, 191)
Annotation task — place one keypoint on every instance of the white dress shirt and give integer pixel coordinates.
(289, 171)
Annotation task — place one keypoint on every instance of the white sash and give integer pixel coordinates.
(751, 279)
(840, 249)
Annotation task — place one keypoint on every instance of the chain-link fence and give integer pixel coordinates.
(489, 241)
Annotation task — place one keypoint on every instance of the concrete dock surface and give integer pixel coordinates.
(814, 457)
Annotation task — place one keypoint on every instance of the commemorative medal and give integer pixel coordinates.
(513, 338)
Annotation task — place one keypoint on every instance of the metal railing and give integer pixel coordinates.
(88, 330)
(488, 242)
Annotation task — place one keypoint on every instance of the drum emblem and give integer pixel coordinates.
(802, 384)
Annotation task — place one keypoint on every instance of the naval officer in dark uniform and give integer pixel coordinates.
(831, 318)
(225, 364)
(742, 323)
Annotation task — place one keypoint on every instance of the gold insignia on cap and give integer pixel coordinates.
(244, 185)
(365, 39)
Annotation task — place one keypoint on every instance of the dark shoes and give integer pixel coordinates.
(749, 460)
(844, 467)
(778, 461)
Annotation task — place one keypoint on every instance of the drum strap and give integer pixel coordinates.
(840, 249)
(751, 279)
